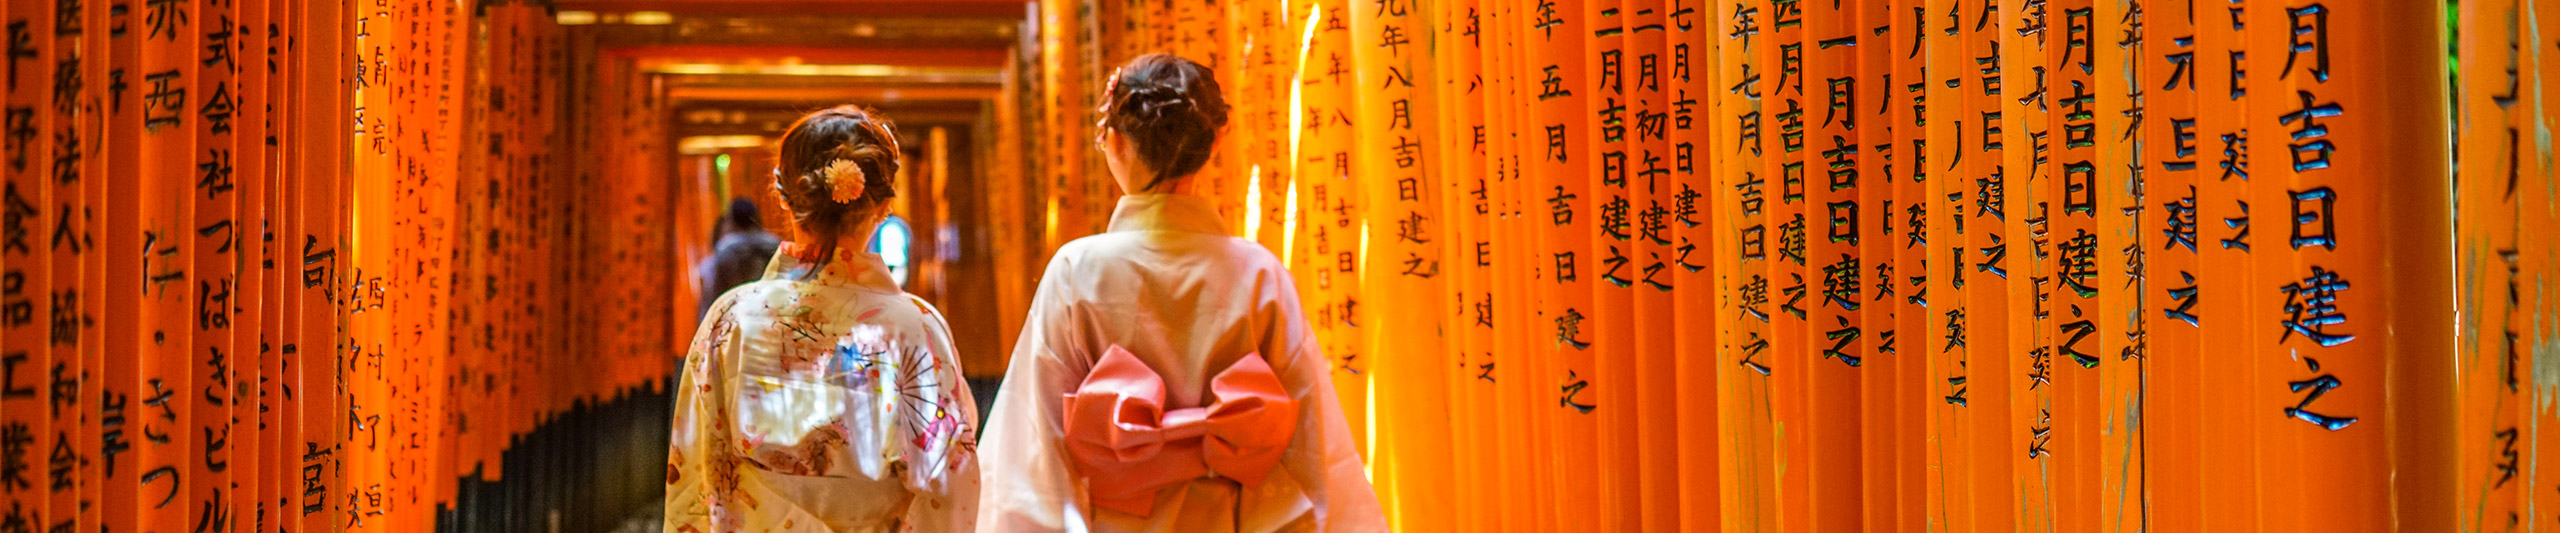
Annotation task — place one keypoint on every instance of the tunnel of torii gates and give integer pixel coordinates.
(1614, 265)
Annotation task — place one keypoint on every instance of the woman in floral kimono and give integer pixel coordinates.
(1166, 379)
(823, 398)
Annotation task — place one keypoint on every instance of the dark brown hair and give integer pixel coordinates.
(1171, 108)
(841, 133)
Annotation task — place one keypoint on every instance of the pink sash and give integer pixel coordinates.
(1128, 446)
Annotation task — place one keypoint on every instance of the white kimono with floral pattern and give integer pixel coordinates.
(822, 401)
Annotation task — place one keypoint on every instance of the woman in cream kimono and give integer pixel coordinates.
(1166, 379)
(823, 398)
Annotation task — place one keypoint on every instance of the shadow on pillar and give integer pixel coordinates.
(588, 469)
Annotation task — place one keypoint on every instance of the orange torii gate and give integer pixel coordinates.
(2060, 265)
(283, 265)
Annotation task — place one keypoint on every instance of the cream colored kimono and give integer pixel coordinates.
(826, 401)
(1169, 285)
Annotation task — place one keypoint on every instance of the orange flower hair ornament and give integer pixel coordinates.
(845, 181)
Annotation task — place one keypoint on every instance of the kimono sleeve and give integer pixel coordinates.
(1023, 439)
(1322, 455)
(694, 451)
(937, 435)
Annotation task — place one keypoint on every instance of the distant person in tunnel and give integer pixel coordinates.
(1166, 378)
(823, 398)
(740, 250)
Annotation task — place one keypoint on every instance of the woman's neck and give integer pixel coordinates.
(1187, 185)
(856, 236)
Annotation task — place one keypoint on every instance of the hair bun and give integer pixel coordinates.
(1155, 93)
(1171, 109)
(1168, 108)
(850, 170)
(1154, 103)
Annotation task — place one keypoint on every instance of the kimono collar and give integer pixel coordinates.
(852, 267)
(1167, 212)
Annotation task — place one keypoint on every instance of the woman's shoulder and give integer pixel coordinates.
(924, 312)
(725, 303)
(751, 292)
(858, 304)
(1254, 254)
(899, 310)
(1114, 246)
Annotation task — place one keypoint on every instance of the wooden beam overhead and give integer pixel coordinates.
(815, 30)
(814, 54)
(853, 94)
(865, 8)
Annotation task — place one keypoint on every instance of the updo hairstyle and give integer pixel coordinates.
(835, 165)
(1171, 108)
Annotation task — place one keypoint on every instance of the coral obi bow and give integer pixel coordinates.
(1128, 446)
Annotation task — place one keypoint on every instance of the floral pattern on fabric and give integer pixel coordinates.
(822, 399)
